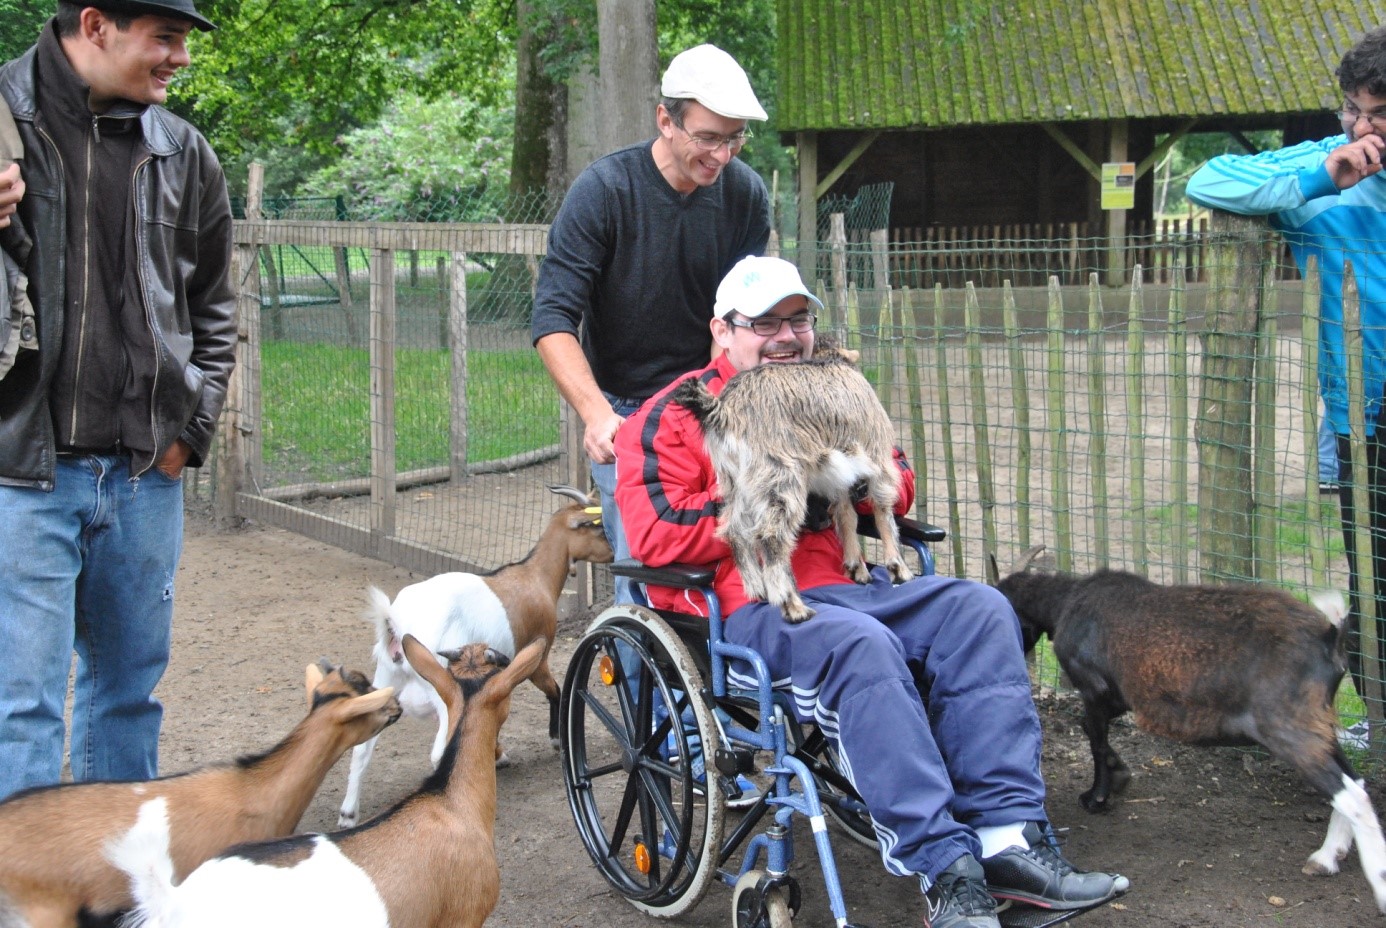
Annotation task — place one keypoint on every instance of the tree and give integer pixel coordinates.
(22, 19)
(301, 73)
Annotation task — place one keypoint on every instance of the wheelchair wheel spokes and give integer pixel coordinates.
(630, 731)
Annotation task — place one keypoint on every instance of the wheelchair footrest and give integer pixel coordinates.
(732, 761)
(1028, 916)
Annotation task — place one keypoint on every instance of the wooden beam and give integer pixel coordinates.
(1067, 144)
(857, 151)
(807, 145)
(1163, 148)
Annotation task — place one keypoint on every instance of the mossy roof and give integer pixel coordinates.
(882, 64)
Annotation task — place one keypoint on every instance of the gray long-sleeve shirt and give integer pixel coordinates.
(639, 264)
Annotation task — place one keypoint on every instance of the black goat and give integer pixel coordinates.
(1207, 665)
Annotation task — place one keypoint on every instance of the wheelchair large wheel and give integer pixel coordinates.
(633, 727)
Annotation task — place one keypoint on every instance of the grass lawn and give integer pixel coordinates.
(317, 408)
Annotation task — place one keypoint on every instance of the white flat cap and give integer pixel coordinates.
(712, 77)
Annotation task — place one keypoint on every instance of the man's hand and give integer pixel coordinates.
(1352, 163)
(598, 437)
(11, 191)
(174, 460)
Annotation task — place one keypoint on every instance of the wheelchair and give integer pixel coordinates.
(653, 743)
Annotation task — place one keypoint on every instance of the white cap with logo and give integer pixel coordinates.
(755, 285)
(712, 77)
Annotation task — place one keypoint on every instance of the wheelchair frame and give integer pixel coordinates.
(657, 836)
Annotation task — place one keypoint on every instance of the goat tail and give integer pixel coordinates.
(378, 613)
(1332, 603)
(694, 396)
(142, 853)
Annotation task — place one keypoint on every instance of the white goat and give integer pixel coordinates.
(779, 432)
(428, 862)
(506, 609)
(52, 871)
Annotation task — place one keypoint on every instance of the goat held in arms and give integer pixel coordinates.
(776, 434)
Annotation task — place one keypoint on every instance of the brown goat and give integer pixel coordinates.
(1209, 665)
(52, 872)
(779, 432)
(428, 862)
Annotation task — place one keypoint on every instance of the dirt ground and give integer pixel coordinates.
(1208, 837)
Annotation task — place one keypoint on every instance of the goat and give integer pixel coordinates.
(429, 861)
(779, 432)
(507, 609)
(52, 872)
(1208, 665)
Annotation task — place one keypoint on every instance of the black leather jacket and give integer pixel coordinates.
(183, 262)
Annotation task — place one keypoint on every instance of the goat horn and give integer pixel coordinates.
(1026, 559)
(572, 493)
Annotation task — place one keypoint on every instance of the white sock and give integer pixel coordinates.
(996, 838)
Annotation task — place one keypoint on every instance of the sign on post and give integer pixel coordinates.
(1119, 185)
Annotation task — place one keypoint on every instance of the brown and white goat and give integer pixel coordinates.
(428, 862)
(1209, 665)
(52, 870)
(779, 432)
(506, 609)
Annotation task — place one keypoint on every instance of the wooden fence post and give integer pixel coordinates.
(1239, 248)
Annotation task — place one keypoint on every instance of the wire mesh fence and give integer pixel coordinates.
(391, 402)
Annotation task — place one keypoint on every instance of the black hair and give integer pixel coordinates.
(1363, 69)
(69, 17)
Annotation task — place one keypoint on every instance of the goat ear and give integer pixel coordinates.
(426, 665)
(370, 702)
(526, 661)
(312, 676)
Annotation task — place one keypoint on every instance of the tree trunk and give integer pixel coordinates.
(538, 159)
(629, 73)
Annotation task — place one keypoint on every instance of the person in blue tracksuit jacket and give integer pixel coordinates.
(1328, 199)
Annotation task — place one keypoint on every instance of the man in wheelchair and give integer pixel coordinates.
(923, 685)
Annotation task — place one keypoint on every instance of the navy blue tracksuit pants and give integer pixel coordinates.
(925, 689)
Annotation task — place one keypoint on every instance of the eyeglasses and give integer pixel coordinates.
(1349, 115)
(711, 141)
(766, 326)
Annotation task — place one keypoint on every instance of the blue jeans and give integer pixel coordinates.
(604, 476)
(87, 568)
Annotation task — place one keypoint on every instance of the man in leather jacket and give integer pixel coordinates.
(129, 275)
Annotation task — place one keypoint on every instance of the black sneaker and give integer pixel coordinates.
(1042, 877)
(959, 898)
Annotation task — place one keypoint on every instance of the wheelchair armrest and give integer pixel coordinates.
(910, 529)
(681, 576)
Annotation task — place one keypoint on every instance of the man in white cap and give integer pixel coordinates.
(636, 252)
(922, 687)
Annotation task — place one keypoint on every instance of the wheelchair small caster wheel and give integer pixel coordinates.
(758, 904)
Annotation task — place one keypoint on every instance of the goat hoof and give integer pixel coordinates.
(795, 616)
(346, 820)
(503, 761)
(1319, 866)
(858, 572)
(899, 572)
(555, 744)
(1091, 803)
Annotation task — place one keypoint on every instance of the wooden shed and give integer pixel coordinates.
(997, 113)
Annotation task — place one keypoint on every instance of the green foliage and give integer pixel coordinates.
(302, 72)
(445, 159)
(22, 19)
